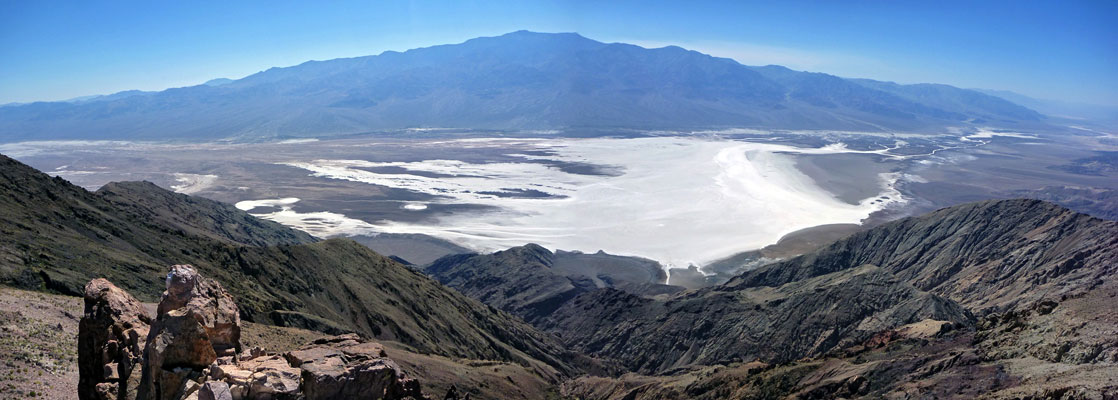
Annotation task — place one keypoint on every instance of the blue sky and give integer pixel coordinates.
(1066, 50)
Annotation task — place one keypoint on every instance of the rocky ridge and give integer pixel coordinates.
(56, 237)
(198, 215)
(774, 325)
(978, 259)
(988, 256)
(996, 299)
(193, 351)
(531, 282)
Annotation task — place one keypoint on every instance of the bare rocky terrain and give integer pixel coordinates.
(38, 345)
(40, 357)
(995, 299)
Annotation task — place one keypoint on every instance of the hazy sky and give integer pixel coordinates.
(1068, 50)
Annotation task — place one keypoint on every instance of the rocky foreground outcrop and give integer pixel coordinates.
(111, 339)
(192, 350)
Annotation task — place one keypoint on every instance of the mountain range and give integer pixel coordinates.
(958, 303)
(1074, 111)
(995, 299)
(517, 81)
(56, 236)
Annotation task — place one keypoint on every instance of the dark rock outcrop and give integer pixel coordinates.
(518, 280)
(193, 352)
(197, 321)
(208, 302)
(111, 337)
(347, 367)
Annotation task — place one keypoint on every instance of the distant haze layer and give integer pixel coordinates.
(677, 200)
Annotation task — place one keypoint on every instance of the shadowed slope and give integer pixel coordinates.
(978, 258)
(56, 236)
(531, 282)
(992, 254)
(197, 215)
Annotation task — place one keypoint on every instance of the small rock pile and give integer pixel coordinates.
(192, 351)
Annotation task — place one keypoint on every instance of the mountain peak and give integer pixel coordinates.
(534, 42)
(218, 82)
(527, 33)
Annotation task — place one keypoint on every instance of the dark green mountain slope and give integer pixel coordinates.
(197, 216)
(518, 280)
(1038, 279)
(707, 327)
(57, 236)
(994, 254)
(945, 268)
(339, 284)
(531, 282)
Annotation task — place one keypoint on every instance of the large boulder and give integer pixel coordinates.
(210, 303)
(197, 321)
(348, 367)
(111, 337)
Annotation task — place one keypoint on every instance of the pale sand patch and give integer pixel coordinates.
(320, 224)
(192, 183)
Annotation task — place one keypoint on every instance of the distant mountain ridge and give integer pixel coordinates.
(521, 80)
(1059, 108)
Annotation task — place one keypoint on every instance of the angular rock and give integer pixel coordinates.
(215, 390)
(347, 366)
(271, 377)
(215, 308)
(180, 342)
(197, 322)
(109, 341)
(179, 383)
(107, 390)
